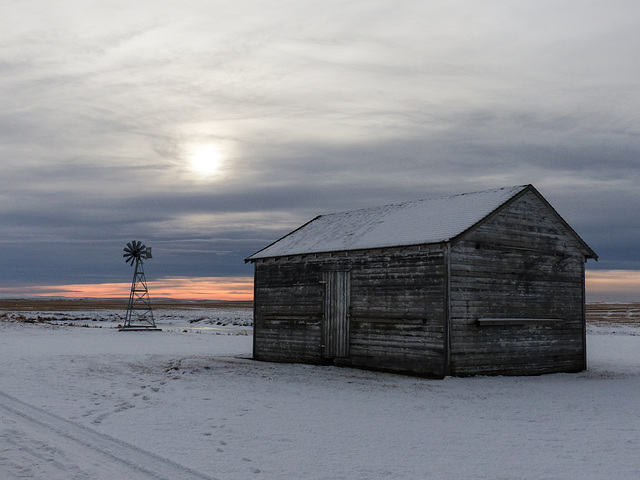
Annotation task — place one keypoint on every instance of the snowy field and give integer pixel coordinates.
(81, 400)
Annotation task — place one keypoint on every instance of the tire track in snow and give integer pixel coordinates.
(37, 444)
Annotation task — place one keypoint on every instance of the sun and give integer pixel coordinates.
(206, 160)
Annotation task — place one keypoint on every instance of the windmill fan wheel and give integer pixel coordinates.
(134, 250)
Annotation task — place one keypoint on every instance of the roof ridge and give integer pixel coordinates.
(424, 199)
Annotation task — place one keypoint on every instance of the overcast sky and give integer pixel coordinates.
(207, 129)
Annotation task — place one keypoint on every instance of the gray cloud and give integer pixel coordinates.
(317, 107)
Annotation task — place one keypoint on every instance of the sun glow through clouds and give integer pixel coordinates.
(206, 160)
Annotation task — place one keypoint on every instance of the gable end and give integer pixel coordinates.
(530, 189)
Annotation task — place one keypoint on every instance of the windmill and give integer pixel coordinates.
(139, 314)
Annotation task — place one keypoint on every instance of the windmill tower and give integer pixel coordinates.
(139, 313)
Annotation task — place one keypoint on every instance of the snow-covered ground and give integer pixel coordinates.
(188, 402)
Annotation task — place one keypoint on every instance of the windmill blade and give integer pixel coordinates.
(136, 250)
(132, 247)
(129, 252)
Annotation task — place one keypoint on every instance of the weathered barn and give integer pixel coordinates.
(489, 282)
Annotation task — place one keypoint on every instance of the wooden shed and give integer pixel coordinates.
(489, 282)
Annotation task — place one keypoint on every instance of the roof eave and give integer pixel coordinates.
(353, 250)
(253, 257)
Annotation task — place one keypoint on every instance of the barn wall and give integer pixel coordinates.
(288, 309)
(521, 263)
(396, 312)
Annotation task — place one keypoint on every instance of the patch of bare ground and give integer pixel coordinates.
(613, 314)
(66, 305)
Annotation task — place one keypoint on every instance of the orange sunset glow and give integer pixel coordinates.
(199, 288)
(613, 285)
(607, 285)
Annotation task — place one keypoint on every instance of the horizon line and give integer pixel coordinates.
(600, 285)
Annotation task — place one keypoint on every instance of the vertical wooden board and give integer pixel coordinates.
(336, 314)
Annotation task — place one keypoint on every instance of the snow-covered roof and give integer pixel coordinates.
(431, 220)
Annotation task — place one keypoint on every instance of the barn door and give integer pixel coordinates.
(335, 328)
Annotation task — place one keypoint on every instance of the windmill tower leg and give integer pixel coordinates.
(139, 312)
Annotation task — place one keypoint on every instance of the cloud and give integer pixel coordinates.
(318, 107)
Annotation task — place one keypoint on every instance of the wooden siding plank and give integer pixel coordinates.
(516, 321)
